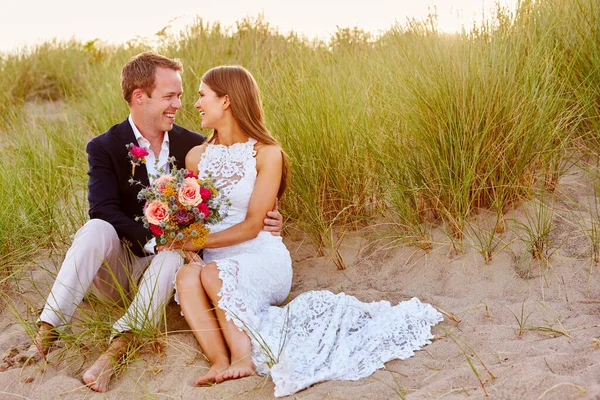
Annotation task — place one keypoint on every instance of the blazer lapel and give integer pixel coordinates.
(126, 136)
(141, 174)
(175, 149)
(125, 133)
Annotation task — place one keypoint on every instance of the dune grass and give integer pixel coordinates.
(42, 181)
(429, 125)
(420, 127)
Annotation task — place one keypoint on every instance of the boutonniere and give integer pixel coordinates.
(137, 155)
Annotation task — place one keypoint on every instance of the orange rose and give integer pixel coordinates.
(156, 212)
(162, 182)
(189, 194)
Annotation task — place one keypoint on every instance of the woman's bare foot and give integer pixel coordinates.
(239, 369)
(210, 377)
(98, 375)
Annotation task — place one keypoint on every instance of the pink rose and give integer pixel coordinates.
(162, 182)
(156, 212)
(203, 208)
(156, 230)
(190, 174)
(138, 152)
(205, 193)
(189, 194)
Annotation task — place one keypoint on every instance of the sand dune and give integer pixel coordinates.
(555, 356)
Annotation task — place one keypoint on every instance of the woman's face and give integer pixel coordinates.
(211, 107)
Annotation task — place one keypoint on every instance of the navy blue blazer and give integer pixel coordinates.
(111, 197)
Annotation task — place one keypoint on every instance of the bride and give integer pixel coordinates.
(318, 335)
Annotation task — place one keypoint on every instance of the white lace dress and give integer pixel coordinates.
(319, 335)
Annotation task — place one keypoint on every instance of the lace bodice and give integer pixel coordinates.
(234, 170)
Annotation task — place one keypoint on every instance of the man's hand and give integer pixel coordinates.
(274, 221)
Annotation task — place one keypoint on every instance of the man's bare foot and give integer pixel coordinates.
(32, 355)
(42, 342)
(210, 378)
(237, 370)
(98, 375)
(8, 358)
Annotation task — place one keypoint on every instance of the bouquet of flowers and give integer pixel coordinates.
(178, 205)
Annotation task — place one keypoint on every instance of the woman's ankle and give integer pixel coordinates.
(221, 362)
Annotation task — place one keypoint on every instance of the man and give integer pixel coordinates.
(99, 258)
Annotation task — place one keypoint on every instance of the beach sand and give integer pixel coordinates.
(479, 345)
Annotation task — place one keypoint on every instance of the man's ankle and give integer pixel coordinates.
(43, 325)
(45, 336)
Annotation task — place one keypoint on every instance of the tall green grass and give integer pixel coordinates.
(480, 114)
(423, 126)
(41, 189)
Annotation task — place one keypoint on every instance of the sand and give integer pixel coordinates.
(555, 356)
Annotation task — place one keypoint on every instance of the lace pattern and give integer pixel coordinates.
(317, 336)
(236, 309)
(347, 339)
(229, 165)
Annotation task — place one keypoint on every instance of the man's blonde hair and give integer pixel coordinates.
(140, 72)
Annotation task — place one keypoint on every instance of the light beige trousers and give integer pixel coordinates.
(98, 262)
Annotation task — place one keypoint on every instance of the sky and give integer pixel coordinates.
(29, 22)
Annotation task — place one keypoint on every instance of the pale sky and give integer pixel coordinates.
(26, 22)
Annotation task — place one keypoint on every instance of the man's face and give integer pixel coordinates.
(158, 111)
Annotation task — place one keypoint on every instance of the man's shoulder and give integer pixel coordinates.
(110, 135)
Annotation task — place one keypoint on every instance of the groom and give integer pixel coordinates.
(112, 251)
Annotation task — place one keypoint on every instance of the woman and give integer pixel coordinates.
(317, 336)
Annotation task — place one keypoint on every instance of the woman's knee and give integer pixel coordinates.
(209, 272)
(188, 277)
(210, 275)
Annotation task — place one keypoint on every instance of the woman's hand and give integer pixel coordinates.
(193, 257)
(189, 256)
(185, 246)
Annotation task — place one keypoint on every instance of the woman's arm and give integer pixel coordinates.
(269, 165)
(193, 156)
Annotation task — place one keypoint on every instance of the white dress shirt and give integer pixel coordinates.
(155, 166)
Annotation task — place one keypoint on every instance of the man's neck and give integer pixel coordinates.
(155, 138)
(152, 137)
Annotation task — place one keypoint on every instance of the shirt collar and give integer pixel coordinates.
(138, 136)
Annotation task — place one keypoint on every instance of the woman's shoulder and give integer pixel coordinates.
(267, 154)
(193, 156)
(197, 151)
(267, 150)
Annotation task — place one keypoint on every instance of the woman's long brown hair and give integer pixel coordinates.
(246, 107)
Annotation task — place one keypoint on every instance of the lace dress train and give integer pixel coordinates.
(318, 335)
